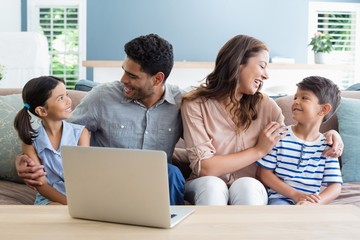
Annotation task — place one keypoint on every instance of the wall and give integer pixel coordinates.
(10, 16)
(197, 29)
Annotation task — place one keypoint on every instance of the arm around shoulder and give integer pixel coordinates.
(44, 188)
(334, 139)
(29, 170)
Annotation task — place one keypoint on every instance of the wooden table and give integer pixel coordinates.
(207, 222)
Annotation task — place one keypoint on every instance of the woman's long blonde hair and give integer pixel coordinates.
(222, 82)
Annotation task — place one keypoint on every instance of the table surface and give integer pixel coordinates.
(207, 222)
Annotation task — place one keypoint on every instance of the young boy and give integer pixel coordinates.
(295, 169)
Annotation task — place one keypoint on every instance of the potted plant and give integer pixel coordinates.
(321, 45)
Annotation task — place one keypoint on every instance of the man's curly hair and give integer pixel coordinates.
(153, 53)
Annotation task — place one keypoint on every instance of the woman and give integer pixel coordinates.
(229, 124)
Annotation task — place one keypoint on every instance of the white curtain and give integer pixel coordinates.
(25, 55)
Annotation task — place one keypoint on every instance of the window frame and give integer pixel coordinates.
(314, 7)
(33, 19)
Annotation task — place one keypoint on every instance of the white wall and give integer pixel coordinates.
(10, 15)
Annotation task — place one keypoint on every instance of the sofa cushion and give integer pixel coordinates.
(85, 85)
(12, 193)
(349, 128)
(10, 144)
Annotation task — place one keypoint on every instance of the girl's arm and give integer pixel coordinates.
(84, 139)
(45, 189)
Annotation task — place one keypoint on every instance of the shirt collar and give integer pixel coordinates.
(43, 141)
(169, 96)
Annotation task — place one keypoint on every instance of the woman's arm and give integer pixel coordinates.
(219, 165)
(45, 189)
(204, 159)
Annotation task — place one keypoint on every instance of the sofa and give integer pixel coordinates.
(14, 191)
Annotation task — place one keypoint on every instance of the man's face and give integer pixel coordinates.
(138, 85)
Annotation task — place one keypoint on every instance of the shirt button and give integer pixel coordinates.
(169, 129)
(122, 126)
(146, 132)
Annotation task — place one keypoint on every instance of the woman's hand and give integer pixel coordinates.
(333, 138)
(269, 136)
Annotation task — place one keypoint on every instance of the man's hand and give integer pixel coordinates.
(29, 171)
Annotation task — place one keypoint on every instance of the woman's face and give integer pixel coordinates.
(253, 73)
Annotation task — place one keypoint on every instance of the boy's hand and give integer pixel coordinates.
(301, 198)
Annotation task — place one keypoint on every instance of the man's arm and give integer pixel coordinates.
(29, 171)
(44, 189)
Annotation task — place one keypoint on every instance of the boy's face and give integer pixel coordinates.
(306, 108)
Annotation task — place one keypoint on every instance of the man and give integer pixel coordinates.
(139, 112)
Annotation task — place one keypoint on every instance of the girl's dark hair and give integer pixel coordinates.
(221, 83)
(35, 93)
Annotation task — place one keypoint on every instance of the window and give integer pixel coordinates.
(342, 22)
(63, 24)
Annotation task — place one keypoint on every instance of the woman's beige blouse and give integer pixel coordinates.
(209, 131)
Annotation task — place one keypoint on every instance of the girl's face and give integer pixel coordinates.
(58, 106)
(253, 73)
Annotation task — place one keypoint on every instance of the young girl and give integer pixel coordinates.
(46, 98)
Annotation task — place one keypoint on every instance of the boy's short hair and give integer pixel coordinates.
(325, 90)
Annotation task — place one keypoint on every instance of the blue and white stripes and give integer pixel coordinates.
(300, 164)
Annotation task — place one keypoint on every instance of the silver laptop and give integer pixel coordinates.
(119, 185)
